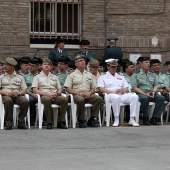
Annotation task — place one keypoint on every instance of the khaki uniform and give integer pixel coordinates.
(14, 83)
(83, 83)
(50, 84)
(146, 83)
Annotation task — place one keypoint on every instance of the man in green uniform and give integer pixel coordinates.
(144, 83)
(167, 64)
(62, 72)
(12, 89)
(84, 50)
(81, 85)
(112, 51)
(162, 78)
(58, 51)
(48, 86)
(24, 66)
(34, 64)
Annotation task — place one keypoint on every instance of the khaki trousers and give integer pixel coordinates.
(61, 101)
(95, 100)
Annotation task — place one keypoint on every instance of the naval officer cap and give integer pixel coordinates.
(94, 63)
(112, 37)
(111, 62)
(11, 61)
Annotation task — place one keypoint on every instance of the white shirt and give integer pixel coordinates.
(112, 82)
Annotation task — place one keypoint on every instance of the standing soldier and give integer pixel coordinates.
(81, 85)
(48, 86)
(112, 51)
(13, 89)
(144, 83)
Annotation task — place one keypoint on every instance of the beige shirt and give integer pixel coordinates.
(80, 82)
(14, 83)
(45, 83)
(96, 78)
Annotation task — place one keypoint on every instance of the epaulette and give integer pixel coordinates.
(120, 73)
(151, 71)
(26, 72)
(137, 71)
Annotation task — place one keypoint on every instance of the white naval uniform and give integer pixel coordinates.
(110, 82)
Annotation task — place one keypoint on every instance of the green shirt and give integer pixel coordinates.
(29, 79)
(144, 82)
(168, 75)
(163, 80)
(62, 79)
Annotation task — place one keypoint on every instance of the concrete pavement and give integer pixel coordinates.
(143, 148)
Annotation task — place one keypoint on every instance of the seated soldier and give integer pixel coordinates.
(48, 86)
(81, 84)
(144, 83)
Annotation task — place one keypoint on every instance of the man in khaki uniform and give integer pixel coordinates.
(13, 88)
(48, 86)
(80, 83)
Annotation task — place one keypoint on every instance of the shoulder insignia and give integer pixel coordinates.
(137, 71)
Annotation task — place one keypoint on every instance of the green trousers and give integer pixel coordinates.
(9, 104)
(61, 101)
(95, 100)
(159, 103)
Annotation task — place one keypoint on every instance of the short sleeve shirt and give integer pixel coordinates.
(144, 82)
(14, 83)
(46, 83)
(80, 82)
(112, 82)
(163, 80)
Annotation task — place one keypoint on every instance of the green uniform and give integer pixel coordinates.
(168, 75)
(62, 79)
(146, 83)
(54, 54)
(115, 53)
(89, 54)
(14, 83)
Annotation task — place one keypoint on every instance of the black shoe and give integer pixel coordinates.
(93, 122)
(8, 128)
(22, 127)
(154, 121)
(81, 124)
(49, 126)
(146, 121)
(61, 125)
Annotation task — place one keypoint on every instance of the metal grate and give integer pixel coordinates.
(53, 18)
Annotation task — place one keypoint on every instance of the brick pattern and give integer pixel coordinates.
(136, 22)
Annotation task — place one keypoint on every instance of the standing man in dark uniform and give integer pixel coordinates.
(58, 51)
(84, 50)
(13, 89)
(112, 51)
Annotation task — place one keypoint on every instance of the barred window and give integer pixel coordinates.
(53, 18)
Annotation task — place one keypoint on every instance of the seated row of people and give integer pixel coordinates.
(82, 85)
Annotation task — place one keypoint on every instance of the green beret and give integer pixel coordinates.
(94, 63)
(11, 61)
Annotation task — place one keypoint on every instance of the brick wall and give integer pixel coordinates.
(136, 22)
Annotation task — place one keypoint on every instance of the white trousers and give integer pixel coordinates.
(127, 98)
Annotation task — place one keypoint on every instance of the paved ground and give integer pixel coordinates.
(143, 148)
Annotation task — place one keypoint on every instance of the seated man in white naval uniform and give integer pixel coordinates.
(116, 87)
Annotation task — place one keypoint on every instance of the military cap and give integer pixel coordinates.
(59, 40)
(71, 64)
(79, 57)
(63, 60)
(111, 62)
(46, 60)
(39, 60)
(101, 63)
(167, 63)
(2, 62)
(112, 37)
(153, 61)
(123, 62)
(11, 61)
(34, 61)
(23, 60)
(94, 63)
(84, 42)
(143, 59)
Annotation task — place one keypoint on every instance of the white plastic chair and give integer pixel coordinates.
(87, 106)
(15, 113)
(40, 110)
(122, 107)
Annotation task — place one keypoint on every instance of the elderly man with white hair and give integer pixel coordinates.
(117, 89)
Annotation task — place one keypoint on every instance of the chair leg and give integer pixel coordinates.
(167, 115)
(122, 109)
(100, 119)
(2, 117)
(55, 114)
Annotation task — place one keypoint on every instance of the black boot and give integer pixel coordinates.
(154, 121)
(146, 121)
(93, 122)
